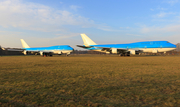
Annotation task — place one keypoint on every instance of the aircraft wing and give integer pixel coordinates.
(120, 49)
(84, 46)
(38, 51)
(13, 49)
(108, 48)
(105, 48)
(46, 51)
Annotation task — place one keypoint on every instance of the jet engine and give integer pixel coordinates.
(132, 52)
(59, 53)
(107, 52)
(25, 52)
(41, 53)
(114, 50)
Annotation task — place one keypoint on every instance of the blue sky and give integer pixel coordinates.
(56, 22)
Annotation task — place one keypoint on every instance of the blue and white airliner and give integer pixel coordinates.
(47, 51)
(128, 49)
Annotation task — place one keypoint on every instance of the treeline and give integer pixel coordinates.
(178, 47)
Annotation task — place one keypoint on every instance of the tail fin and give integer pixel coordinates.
(87, 41)
(24, 44)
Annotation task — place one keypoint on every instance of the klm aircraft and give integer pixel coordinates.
(128, 49)
(47, 51)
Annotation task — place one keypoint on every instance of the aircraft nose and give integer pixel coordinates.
(174, 45)
(72, 49)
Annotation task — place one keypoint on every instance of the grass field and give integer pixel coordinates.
(79, 81)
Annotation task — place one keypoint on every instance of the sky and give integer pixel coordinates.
(60, 22)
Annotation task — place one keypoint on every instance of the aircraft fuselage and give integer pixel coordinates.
(59, 49)
(147, 46)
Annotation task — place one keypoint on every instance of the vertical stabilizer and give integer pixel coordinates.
(24, 44)
(87, 41)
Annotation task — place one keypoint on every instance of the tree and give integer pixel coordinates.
(178, 47)
(0, 51)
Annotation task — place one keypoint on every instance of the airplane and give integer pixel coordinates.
(47, 51)
(128, 49)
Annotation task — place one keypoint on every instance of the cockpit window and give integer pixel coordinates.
(168, 42)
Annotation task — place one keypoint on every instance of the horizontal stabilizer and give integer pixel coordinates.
(3, 49)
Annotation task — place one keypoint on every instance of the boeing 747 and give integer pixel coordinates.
(47, 51)
(128, 49)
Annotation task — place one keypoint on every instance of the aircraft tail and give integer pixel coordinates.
(24, 44)
(87, 41)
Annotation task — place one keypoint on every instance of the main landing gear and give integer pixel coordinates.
(46, 54)
(67, 54)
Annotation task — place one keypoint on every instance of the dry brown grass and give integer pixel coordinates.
(90, 81)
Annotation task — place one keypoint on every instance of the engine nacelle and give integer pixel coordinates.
(24, 52)
(107, 52)
(68, 53)
(154, 51)
(132, 52)
(41, 53)
(114, 50)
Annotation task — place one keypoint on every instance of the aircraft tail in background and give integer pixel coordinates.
(24, 44)
(87, 41)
